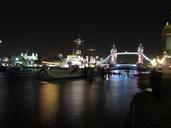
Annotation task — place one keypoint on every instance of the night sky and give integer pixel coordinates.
(49, 28)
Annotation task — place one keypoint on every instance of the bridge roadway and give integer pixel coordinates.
(133, 53)
(127, 53)
(120, 66)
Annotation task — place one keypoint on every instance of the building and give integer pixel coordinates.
(25, 59)
(167, 38)
(32, 57)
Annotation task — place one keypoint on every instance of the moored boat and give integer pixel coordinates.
(22, 71)
(73, 66)
(58, 73)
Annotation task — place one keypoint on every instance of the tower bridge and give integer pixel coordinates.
(112, 58)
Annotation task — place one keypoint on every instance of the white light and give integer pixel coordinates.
(160, 61)
(0, 41)
(167, 23)
(17, 59)
(153, 62)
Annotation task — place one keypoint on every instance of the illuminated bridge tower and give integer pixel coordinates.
(113, 52)
(167, 38)
(140, 54)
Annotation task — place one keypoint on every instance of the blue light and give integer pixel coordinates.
(126, 65)
(134, 65)
(118, 65)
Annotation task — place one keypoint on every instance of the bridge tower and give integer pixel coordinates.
(113, 52)
(167, 37)
(140, 51)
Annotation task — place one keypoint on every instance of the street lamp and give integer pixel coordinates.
(0, 41)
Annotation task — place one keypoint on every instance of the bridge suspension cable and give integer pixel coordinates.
(114, 54)
(148, 59)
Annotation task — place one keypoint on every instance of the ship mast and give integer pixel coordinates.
(78, 43)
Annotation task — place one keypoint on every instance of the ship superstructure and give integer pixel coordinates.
(76, 58)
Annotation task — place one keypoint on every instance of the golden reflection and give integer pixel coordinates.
(74, 98)
(93, 95)
(48, 102)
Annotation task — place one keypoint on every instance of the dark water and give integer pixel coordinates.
(79, 103)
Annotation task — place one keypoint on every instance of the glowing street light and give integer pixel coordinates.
(0, 41)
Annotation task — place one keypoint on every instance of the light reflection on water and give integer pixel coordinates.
(74, 97)
(48, 102)
(67, 103)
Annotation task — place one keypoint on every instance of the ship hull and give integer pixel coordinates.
(19, 72)
(61, 73)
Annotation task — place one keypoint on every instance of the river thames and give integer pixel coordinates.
(76, 103)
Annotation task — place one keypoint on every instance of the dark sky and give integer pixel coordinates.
(50, 27)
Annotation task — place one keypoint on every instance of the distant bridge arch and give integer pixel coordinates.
(112, 58)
